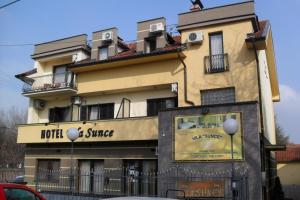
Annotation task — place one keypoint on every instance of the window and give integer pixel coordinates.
(216, 52)
(98, 111)
(59, 74)
(150, 45)
(19, 194)
(103, 53)
(218, 96)
(48, 170)
(91, 179)
(59, 114)
(156, 105)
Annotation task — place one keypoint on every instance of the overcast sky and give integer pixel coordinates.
(36, 21)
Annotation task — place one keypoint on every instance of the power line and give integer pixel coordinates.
(61, 42)
(9, 4)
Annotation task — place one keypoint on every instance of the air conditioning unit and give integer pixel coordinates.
(39, 104)
(196, 37)
(108, 35)
(158, 27)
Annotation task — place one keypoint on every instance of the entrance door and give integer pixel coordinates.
(91, 176)
(140, 178)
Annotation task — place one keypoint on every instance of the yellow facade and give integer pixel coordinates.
(242, 73)
(158, 72)
(289, 173)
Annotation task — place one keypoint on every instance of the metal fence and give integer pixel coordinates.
(122, 182)
(50, 82)
(8, 175)
(291, 191)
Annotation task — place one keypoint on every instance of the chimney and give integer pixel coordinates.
(197, 5)
(107, 38)
(145, 34)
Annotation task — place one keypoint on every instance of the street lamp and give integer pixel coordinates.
(72, 134)
(231, 127)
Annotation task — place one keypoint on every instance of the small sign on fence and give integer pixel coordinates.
(209, 188)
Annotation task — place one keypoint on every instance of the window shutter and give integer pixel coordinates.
(52, 112)
(83, 113)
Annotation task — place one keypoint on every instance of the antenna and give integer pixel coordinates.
(197, 3)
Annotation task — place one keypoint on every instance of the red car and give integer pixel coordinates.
(9, 191)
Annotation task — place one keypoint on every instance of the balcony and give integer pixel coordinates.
(129, 129)
(49, 84)
(216, 63)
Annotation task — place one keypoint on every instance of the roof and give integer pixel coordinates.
(291, 154)
(264, 26)
(27, 73)
(131, 53)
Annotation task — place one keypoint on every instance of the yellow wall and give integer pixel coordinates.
(44, 68)
(289, 173)
(99, 85)
(138, 105)
(242, 73)
(242, 64)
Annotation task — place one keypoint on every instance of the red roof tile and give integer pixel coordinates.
(291, 154)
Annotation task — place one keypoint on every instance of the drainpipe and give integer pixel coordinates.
(185, 79)
(259, 84)
(263, 158)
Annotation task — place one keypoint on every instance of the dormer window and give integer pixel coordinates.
(103, 53)
(150, 45)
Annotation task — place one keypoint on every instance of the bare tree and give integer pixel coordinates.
(11, 153)
(281, 137)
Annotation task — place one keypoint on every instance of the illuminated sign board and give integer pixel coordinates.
(202, 137)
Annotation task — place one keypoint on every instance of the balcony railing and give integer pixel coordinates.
(216, 63)
(49, 82)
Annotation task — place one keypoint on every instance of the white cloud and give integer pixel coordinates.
(288, 112)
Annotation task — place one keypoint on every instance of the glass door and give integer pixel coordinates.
(91, 176)
(140, 178)
(84, 176)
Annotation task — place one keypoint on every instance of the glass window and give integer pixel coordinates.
(60, 74)
(103, 53)
(93, 112)
(218, 96)
(150, 45)
(59, 114)
(155, 105)
(107, 111)
(216, 51)
(19, 194)
(98, 111)
(48, 170)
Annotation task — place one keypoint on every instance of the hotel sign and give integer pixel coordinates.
(92, 131)
(202, 138)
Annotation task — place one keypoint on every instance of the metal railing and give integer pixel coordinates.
(8, 174)
(216, 63)
(116, 182)
(49, 82)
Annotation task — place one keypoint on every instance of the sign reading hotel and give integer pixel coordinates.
(202, 138)
(96, 131)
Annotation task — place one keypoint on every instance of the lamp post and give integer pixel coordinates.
(72, 134)
(231, 127)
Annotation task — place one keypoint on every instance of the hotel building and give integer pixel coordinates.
(158, 102)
